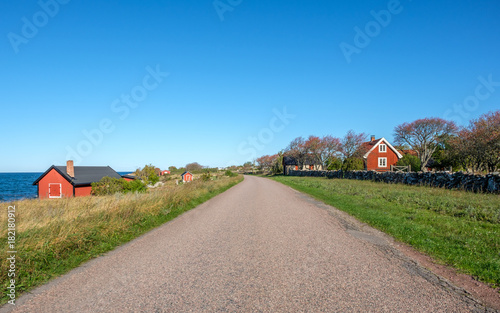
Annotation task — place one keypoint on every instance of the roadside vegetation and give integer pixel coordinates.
(457, 228)
(54, 236)
(110, 186)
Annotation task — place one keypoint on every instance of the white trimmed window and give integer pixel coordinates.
(382, 162)
(382, 148)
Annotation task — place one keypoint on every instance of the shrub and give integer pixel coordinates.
(334, 164)
(148, 174)
(153, 179)
(110, 186)
(206, 176)
(411, 160)
(230, 174)
(353, 164)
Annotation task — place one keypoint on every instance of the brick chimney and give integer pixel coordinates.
(70, 169)
(372, 138)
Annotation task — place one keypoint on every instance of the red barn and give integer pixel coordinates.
(381, 155)
(187, 177)
(72, 181)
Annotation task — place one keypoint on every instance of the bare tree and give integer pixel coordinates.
(195, 166)
(331, 149)
(352, 145)
(424, 136)
(297, 150)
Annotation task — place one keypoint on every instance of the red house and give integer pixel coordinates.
(165, 172)
(381, 155)
(72, 181)
(187, 177)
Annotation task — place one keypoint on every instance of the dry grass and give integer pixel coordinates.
(55, 235)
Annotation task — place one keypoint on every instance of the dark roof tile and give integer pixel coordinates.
(84, 175)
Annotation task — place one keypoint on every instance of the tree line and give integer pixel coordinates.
(425, 143)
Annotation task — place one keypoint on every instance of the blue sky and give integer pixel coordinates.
(129, 83)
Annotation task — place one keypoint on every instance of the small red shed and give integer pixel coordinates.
(72, 181)
(165, 172)
(381, 155)
(187, 177)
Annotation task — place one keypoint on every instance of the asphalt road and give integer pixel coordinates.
(259, 247)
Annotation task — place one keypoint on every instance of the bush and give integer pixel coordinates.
(134, 186)
(353, 164)
(153, 179)
(148, 174)
(110, 186)
(334, 164)
(206, 176)
(230, 174)
(411, 160)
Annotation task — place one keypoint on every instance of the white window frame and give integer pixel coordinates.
(382, 160)
(380, 147)
(60, 191)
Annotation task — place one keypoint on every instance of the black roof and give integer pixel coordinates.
(185, 173)
(130, 176)
(84, 175)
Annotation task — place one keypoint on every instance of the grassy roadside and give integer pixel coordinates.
(457, 228)
(56, 235)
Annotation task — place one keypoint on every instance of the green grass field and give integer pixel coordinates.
(54, 236)
(457, 228)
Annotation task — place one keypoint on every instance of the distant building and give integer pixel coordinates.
(186, 177)
(72, 181)
(291, 163)
(165, 172)
(380, 156)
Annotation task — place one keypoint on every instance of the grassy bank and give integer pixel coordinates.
(457, 228)
(56, 235)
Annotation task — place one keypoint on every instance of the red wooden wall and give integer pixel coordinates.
(372, 159)
(54, 177)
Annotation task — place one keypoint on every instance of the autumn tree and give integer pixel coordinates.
(314, 148)
(265, 162)
(486, 134)
(477, 147)
(424, 136)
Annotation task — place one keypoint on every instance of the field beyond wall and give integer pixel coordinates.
(457, 228)
(54, 236)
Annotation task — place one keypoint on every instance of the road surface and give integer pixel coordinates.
(259, 247)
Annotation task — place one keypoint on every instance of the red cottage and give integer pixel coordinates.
(187, 177)
(72, 181)
(165, 172)
(381, 155)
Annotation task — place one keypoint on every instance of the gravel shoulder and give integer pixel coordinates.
(259, 247)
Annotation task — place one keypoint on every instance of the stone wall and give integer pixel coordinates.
(478, 183)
